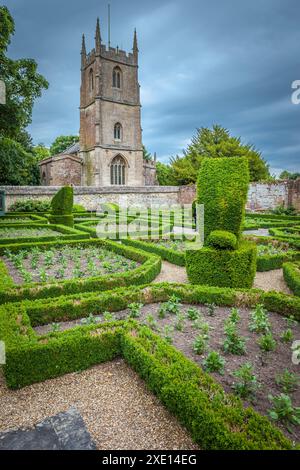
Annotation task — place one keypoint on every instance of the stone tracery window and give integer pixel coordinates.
(118, 131)
(118, 171)
(117, 77)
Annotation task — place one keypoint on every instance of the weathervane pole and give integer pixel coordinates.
(108, 25)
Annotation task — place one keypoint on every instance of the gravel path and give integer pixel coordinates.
(118, 410)
(271, 280)
(171, 273)
(268, 280)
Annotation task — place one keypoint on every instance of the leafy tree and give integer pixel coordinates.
(62, 142)
(40, 152)
(213, 143)
(17, 166)
(23, 84)
(146, 155)
(286, 175)
(165, 176)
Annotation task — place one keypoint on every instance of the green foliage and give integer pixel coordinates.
(266, 342)
(17, 166)
(62, 202)
(201, 343)
(62, 206)
(78, 208)
(287, 381)
(214, 362)
(291, 274)
(62, 142)
(23, 85)
(216, 143)
(224, 268)
(283, 409)
(247, 384)
(30, 205)
(135, 309)
(282, 210)
(40, 152)
(287, 175)
(222, 240)
(192, 313)
(233, 343)
(164, 174)
(223, 187)
(147, 155)
(287, 336)
(259, 320)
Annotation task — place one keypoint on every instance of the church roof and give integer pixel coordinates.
(74, 148)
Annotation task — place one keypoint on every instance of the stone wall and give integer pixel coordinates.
(260, 197)
(91, 197)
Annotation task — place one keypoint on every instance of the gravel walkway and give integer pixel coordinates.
(267, 281)
(171, 273)
(271, 280)
(118, 410)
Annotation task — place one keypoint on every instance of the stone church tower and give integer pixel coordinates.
(110, 116)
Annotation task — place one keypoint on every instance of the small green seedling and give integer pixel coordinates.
(214, 362)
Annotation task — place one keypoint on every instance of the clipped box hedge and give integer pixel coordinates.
(215, 419)
(150, 267)
(65, 233)
(291, 274)
(222, 187)
(34, 218)
(224, 268)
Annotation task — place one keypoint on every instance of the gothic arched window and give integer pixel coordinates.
(91, 80)
(118, 131)
(117, 77)
(117, 171)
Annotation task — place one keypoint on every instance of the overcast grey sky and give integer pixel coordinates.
(230, 62)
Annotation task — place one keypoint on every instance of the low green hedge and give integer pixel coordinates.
(150, 267)
(291, 274)
(286, 233)
(268, 262)
(174, 257)
(224, 268)
(268, 223)
(273, 216)
(216, 420)
(65, 233)
(222, 239)
(67, 220)
(34, 218)
(89, 227)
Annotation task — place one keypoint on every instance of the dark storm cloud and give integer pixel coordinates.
(230, 62)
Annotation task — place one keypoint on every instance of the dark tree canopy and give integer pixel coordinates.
(23, 85)
(216, 143)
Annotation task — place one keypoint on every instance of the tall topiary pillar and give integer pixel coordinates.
(62, 206)
(226, 260)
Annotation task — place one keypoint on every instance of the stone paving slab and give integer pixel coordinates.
(65, 431)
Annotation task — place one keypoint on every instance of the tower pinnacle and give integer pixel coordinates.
(98, 36)
(83, 51)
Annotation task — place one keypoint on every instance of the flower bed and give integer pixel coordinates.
(22, 233)
(98, 277)
(216, 420)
